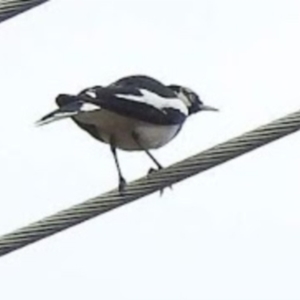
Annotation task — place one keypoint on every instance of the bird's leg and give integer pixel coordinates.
(151, 170)
(122, 181)
(137, 140)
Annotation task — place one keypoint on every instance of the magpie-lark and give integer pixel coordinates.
(133, 113)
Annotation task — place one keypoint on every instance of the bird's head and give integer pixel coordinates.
(190, 99)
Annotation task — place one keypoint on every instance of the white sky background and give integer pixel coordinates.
(230, 233)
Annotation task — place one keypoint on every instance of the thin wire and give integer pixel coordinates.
(147, 185)
(11, 8)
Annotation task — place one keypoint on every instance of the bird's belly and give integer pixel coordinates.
(155, 136)
(112, 126)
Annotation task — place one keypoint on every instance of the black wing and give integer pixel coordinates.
(107, 98)
(144, 82)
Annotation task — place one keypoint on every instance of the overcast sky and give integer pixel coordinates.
(230, 233)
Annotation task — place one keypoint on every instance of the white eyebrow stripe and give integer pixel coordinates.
(156, 101)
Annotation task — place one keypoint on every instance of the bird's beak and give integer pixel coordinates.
(208, 108)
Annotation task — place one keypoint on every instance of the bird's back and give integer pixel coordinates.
(144, 82)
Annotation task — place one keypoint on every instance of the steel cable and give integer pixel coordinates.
(147, 185)
(11, 8)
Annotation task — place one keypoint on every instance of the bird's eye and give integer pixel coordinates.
(193, 97)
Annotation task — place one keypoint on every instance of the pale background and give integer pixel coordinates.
(230, 233)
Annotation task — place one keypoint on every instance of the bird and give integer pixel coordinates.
(134, 113)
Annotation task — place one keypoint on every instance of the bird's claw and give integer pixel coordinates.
(122, 184)
(151, 171)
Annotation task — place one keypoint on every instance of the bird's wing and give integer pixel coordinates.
(69, 106)
(141, 104)
(144, 82)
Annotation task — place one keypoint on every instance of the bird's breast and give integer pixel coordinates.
(112, 126)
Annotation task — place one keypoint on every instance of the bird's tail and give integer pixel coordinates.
(69, 106)
(58, 114)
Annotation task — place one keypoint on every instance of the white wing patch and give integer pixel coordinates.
(91, 93)
(156, 101)
(89, 107)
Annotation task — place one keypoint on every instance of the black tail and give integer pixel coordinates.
(69, 106)
(65, 99)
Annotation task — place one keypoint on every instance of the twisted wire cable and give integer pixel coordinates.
(149, 184)
(11, 8)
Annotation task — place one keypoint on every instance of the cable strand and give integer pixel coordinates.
(11, 8)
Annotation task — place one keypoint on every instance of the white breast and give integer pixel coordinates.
(110, 124)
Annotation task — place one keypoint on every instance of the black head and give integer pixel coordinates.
(190, 99)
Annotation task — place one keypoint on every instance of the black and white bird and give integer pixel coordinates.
(133, 113)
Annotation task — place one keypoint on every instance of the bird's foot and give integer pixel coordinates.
(151, 171)
(122, 184)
